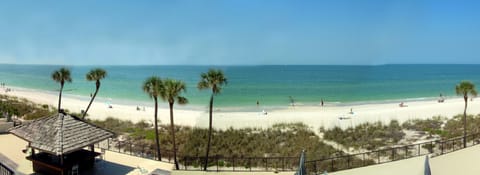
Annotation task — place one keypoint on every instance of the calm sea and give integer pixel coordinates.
(270, 85)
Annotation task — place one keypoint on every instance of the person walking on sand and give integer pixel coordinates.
(292, 101)
(321, 102)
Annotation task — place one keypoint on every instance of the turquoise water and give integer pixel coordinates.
(270, 85)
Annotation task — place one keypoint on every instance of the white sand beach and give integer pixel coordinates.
(313, 116)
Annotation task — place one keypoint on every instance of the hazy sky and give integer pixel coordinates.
(246, 32)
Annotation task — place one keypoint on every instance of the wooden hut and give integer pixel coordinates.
(60, 141)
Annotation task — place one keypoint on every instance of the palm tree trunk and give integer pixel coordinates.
(209, 134)
(60, 97)
(465, 122)
(91, 100)
(172, 127)
(157, 141)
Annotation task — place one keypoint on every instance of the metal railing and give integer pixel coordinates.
(277, 164)
(4, 170)
(434, 147)
(242, 164)
(139, 150)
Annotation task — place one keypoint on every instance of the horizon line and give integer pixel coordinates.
(240, 65)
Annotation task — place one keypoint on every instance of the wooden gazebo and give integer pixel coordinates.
(60, 140)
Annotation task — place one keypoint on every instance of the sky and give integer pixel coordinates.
(239, 32)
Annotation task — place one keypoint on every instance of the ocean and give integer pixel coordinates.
(272, 86)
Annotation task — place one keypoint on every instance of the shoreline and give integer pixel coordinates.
(327, 116)
(245, 108)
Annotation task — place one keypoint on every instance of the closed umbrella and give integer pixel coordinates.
(427, 166)
(301, 168)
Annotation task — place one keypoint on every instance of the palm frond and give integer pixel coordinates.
(214, 79)
(153, 86)
(96, 74)
(172, 90)
(62, 75)
(465, 88)
(182, 100)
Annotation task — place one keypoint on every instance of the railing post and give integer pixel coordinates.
(453, 143)
(250, 163)
(441, 148)
(130, 148)
(418, 150)
(217, 161)
(185, 162)
(332, 164)
(363, 159)
(266, 164)
(283, 164)
(406, 152)
(393, 153)
(378, 157)
(233, 163)
(348, 162)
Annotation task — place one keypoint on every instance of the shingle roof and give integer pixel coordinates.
(60, 134)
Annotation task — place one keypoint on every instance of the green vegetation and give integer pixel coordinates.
(434, 123)
(433, 126)
(279, 140)
(23, 108)
(368, 136)
(454, 126)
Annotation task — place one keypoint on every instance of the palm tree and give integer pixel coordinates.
(153, 86)
(213, 79)
(465, 88)
(61, 76)
(171, 93)
(94, 75)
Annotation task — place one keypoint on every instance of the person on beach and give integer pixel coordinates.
(292, 101)
(351, 110)
(258, 103)
(321, 102)
(441, 99)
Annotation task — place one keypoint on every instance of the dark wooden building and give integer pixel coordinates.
(61, 143)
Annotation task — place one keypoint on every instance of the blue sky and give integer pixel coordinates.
(239, 32)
